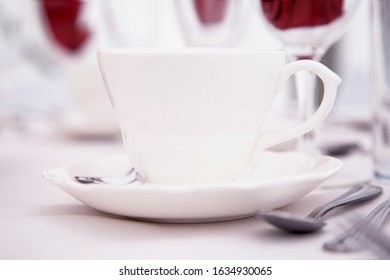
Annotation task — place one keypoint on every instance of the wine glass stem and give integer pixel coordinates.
(305, 86)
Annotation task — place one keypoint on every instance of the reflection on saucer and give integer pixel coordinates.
(280, 178)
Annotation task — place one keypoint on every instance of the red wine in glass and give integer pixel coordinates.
(62, 17)
(285, 14)
(307, 27)
(210, 11)
(212, 23)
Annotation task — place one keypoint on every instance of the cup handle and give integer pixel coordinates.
(331, 81)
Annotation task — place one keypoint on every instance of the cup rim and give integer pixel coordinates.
(187, 50)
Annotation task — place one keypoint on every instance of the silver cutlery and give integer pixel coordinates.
(338, 150)
(313, 222)
(130, 177)
(364, 234)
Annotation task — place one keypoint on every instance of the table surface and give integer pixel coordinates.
(40, 221)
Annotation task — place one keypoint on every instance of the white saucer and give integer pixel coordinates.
(279, 179)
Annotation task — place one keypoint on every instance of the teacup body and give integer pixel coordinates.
(194, 115)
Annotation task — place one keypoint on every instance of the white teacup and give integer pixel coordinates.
(195, 115)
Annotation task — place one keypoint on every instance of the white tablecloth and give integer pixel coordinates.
(40, 221)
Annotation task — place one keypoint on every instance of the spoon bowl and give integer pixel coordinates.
(314, 222)
(291, 222)
(130, 177)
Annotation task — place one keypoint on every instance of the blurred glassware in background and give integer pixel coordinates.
(380, 52)
(350, 58)
(58, 42)
(31, 96)
(75, 30)
(9, 30)
(213, 23)
(307, 28)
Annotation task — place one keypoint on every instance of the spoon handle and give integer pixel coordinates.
(351, 191)
(353, 239)
(356, 194)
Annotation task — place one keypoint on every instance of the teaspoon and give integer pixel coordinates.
(130, 177)
(313, 222)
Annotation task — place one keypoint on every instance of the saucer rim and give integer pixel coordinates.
(329, 172)
(223, 203)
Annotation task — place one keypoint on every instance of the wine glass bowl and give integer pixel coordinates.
(62, 18)
(307, 28)
(60, 38)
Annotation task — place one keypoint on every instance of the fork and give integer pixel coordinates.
(362, 234)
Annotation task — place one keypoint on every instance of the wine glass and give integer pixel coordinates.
(211, 23)
(61, 38)
(53, 35)
(307, 28)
